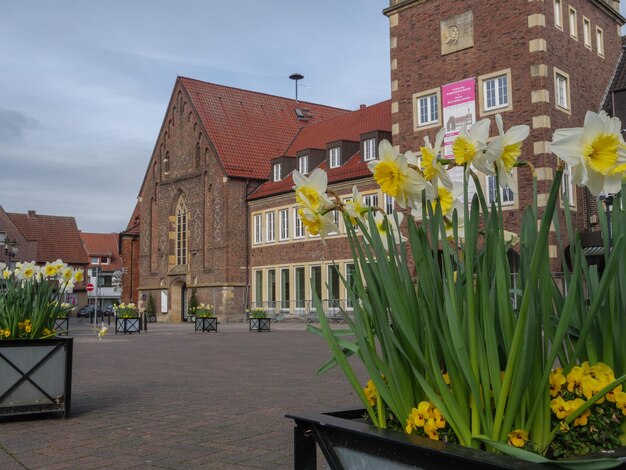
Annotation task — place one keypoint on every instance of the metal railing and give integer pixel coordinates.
(305, 310)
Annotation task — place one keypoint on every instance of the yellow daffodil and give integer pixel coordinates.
(596, 152)
(28, 270)
(386, 225)
(468, 147)
(50, 270)
(317, 223)
(6, 273)
(78, 275)
(395, 177)
(504, 151)
(311, 190)
(429, 164)
(355, 207)
(518, 438)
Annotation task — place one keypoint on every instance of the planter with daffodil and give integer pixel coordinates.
(35, 363)
(205, 319)
(127, 319)
(474, 360)
(258, 320)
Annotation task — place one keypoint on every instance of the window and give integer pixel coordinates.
(496, 93)
(370, 200)
(181, 233)
(573, 23)
(284, 224)
(303, 164)
(599, 41)
(300, 283)
(277, 175)
(335, 215)
(284, 289)
(298, 226)
(258, 229)
(561, 90)
(107, 281)
(426, 111)
(271, 288)
(587, 32)
(258, 288)
(567, 187)
(507, 196)
(269, 226)
(94, 260)
(105, 260)
(350, 270)
(558, 14)
(389, 204)
(333, 287)
(334, 157)
(316, 283)
(369, 149)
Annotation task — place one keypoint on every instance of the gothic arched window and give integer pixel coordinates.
(181, 232)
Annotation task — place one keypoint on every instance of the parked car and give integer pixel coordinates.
(85, 312)
(109, 311)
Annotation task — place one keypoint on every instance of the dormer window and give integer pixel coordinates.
(277, 172)
(303, 164)
(335, 157)
(369, 150)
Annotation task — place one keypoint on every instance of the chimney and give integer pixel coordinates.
(362, 106)
(32, 213)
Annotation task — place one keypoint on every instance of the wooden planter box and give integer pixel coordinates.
(62, 326)
(35, 376)
(206, 324)
(128, 325)
(348, 442)
(260, 324)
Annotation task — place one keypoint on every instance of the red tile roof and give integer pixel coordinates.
(57, 237)
(103, 245)
(133, 227)
(247, 128)
(347, 127)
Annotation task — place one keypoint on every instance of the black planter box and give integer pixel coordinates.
(206, 324)
(61, 326)
(128, 325)
(260, 324)
(35, 376)
(348, 442)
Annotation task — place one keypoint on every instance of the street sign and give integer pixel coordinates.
(89, 287)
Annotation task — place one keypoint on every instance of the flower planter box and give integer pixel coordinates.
(35, 376)
(206, 324)
(347, 441)
(260, 324)
(62, 326)
(128, 325)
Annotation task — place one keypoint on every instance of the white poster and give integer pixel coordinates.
(163, 301)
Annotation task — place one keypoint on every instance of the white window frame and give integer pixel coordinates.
(567, 187)
(562, 96)
(270, 226)
(500, 96)
(303, 164)
(507, 196)
(599, 41)
(258, 228)
(558, 14)
(418, 98)
(97, 260)
(389, 204)
(370, 200)
(334, 157)
(573, 22)
(277, 171)
(587, 32)
(105, 260)
(283, 218)
(369, 149)
(427, 109)
(298, 226)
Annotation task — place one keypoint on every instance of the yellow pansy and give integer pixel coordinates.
(518, 438)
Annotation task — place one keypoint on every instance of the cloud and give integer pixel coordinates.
(13, 124)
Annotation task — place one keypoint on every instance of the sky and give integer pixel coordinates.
(84, 85)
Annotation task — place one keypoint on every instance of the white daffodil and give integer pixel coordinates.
(504, 151)
(468, 147)
(430, 166)
(26, 270)
(395, 177)
(355, 208)
(511, 238)
(316, 222)
(444, 193)
(596, 152)
(312, 189)
(460, 222)
(385, 225)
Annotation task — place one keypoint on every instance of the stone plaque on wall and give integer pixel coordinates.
(457, 33)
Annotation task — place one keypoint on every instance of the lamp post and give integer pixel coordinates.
(607, 199)
(10, 251)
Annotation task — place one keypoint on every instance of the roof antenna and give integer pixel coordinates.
(296, 77)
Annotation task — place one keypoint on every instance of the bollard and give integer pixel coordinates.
(145, 322)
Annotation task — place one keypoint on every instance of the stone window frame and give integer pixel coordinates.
(559, 74)
(482, 95)
(417, 124)
(270, 227)
(573, 25)
(182, 233)
(600, 41)
(283, 222)
(587, 33)
(257, 224)
(558, 14)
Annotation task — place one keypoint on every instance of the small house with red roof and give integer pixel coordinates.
(287, 265)
(104, 269)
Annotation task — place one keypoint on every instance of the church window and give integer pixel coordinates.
(181, 233)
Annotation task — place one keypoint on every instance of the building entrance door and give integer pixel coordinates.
(184, 302)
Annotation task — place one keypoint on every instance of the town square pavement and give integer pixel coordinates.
(170, 398)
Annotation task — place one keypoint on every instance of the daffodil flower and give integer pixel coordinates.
(504, 151)
(430, 166)
(355, 208)
(445, 193)
(468, 147)
(596, 152)
(395, 177)
(316, 222)
(384, 226)
(311, 190)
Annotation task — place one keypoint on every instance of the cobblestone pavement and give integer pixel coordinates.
(170, 398)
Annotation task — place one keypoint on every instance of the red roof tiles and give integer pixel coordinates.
(247, 128)
(57, 237)
(103, 245)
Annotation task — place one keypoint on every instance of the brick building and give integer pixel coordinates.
(543, 63)
(104, 261)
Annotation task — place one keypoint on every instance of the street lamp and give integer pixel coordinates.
(10, 250)
(607, 199)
